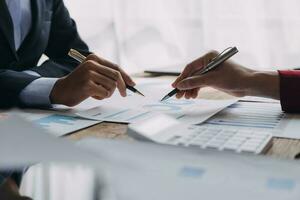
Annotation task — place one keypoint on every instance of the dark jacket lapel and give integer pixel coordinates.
(6, 26)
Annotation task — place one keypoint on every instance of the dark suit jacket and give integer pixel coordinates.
(53, 33)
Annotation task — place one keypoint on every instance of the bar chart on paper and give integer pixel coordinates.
(61, 124)
(135, 108)
(180, 109)
(257, 116)
(57, 124)
(56, 119)
(250, 115)
(169, 105)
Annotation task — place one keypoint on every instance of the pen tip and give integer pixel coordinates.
(140, 93)
(164, 98)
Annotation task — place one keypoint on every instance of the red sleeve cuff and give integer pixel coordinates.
(290, 90)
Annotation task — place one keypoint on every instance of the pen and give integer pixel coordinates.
(80, 58)
(219, 59)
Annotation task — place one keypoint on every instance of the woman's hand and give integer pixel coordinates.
(230, 77)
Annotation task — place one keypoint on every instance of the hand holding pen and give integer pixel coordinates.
(194, 75)
(93, 77)
(80, 58)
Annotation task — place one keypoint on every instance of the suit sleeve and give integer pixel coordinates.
(63, 37)
(37, 93)
(11, 84)
(289, 90)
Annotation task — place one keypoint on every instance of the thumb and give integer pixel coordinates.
(188, 71)
(192, 82)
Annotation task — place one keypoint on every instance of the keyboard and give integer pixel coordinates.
(223, 138)
(166, 130)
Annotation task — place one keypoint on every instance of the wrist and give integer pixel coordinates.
(263, 84)
(56, 96)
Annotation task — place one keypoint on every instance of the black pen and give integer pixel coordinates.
(219, 59)
(80, 58)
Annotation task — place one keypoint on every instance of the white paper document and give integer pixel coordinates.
(259, 116)
(135, 108)
(56, 123)
(22, 144)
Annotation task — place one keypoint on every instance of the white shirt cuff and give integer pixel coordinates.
(37, 93)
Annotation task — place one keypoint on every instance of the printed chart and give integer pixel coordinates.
(169, 105)
(250, 115)
(56, 119)
(57, 124)
(61, 125)
(135, 108)
(258, 116)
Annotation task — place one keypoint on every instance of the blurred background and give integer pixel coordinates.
(139, 34)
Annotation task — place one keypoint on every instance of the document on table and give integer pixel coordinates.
(260, 116)
(23, 144)
(135, 108)
(56, 123)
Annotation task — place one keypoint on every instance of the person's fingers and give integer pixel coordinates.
(109, 72)
(186, 95)
(195, 66)
(116, 75)
(185, 73)
(189, 94)
(101, 61)
(98, 98)
(192, 93)
(107, 83)
(194, 82)
(195, 93)
(190, 69)
(114, 66)
(127, 78)
(97, 91)
(121, 83)
(179, 94)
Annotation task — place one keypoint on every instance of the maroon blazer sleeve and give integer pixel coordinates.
(290, 90)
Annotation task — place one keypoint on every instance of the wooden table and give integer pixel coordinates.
(281, 148)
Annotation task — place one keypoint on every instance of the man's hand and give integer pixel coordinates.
(230, 77)
(95, 77)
